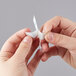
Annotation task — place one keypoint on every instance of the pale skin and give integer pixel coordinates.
(15, 54)
(62, 33)
(18, 49)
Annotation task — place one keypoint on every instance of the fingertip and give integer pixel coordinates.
(27, 29)
(45, 47)
(44, 58)
(21, 34)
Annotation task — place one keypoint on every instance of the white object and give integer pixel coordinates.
(37, 32)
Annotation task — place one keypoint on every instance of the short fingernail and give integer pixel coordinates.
(50, 36)
(27, 39)
(45, 48)
(44, 30)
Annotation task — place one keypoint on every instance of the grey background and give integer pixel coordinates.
(18, 14)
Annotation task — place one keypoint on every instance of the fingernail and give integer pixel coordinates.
(27, 39)
(44, 47)
(50, 36)
(44, 30)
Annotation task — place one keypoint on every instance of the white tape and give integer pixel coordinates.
(36, 33)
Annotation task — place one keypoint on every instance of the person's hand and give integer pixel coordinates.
(62, 33)
(15, 54)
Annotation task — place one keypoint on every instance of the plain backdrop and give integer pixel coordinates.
(18, 14)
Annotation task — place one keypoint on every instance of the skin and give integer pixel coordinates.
(62, 33)
(18, 49)
(15, 54)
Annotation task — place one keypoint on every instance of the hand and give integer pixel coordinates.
(15, 54)
(62, 33)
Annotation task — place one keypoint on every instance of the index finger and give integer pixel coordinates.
(12, 43)
(57, 21)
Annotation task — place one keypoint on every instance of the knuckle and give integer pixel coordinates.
(58, 17)
(18, 36)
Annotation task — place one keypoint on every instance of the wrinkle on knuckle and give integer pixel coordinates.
(17, 35)
(58, 17)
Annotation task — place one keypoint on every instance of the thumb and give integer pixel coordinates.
(23, 48)
(61, 40)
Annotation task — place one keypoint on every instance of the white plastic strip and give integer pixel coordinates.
(35, 23)
(36, 33)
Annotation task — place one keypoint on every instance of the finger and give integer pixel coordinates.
(53, 51)
(57, 29)
(33, 48)
(14, 40)
(41, 29)
(12, 43)
(35, 61)
(44, 45)
(23, 49)
(58, 21)
(61, 40)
